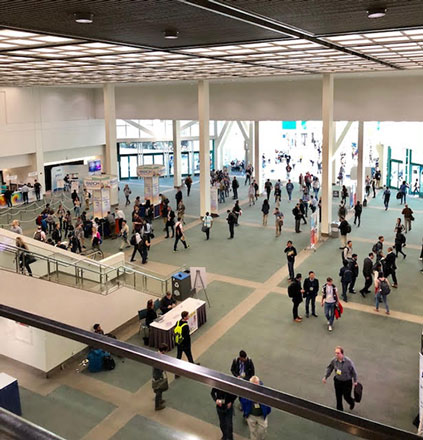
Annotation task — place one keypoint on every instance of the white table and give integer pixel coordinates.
(161, 330)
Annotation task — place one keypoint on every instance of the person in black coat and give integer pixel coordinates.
(358, 209)
(346, 278)
(390, 267)
(225, 411)
(295, 292)
(231, 219)
(298, 215)
(311, 290)
(355, 270)
(167, 303)
(344, 229)
(367, 273)
(178, 196)
(242, 366)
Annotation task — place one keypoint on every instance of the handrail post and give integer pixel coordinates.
(48, 269)
(17, 261)
(135, 280)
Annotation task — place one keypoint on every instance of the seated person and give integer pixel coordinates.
(167, 303)
(97, 329)
(151, 314)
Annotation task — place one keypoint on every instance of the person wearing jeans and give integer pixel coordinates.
(225, 411)
(329, 300)
(295, 292)
(291, 253)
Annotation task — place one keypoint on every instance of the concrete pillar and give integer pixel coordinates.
(250, 142)
(204, 122)
(177, 174)
(360, 163)
(327, 147)
(39, 152)
(110, 127)
(383, 162)
(257, 156)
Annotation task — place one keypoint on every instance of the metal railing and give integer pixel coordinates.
(85, 273)
(349, 423)
(13, 427)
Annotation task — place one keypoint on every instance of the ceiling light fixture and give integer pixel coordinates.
(376, 12)
(84, 17)
(171, 34)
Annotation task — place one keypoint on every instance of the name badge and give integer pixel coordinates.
(256, 406)
(311, 288)
(338, 372)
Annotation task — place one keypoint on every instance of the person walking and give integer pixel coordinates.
(382, 292)
(390, 267)
(24, 257)
(256, 414)
(386, 197)
(403, 191)
(289, 189)
(291, 253)
(346, 278)
(329, 300)
(278, 221)
(344, 229)
(183, 344)
(265, 208)
(367, 273)
(188, 184)
(181, 210)
(316, 187)
(358, 209)
(367, 186)
(268, 188)
(377, 248)
(355, 270)
(37, 189)
(207, 224)
(251, 195)
(296, 212)
(225, 411)
(60, 213)
(170, 222)
(124, 233)
(159, 382)
(178, 196)
(86, 196)
(231, 219)
(179, 235)
(311, 290)
(400, 242)
(295, 292)
(235, 186)
(408, 217)
(342, 211)
(344, 379)
(278, 193)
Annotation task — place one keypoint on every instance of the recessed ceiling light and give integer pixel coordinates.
(171, 34)
(84, 17)
(376, 12)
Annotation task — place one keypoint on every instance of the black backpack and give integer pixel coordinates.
(384, 288)
(133, 240)
(109, 363)
(348, 228)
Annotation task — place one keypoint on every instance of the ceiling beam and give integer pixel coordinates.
(267, 23)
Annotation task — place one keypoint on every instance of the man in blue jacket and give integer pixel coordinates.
(255, 414)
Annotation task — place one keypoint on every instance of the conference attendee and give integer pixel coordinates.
(382, 293)
(167, 303)
(159, 382)
(57, 233)
(344, 230)
(179, 235)
(188, 184)
(298, 215)
(358, 209)
(184, 346)
(295, 292)
(24, 257)
(367, 273)
(329, 300)
(344, 379)
(386, 197)
(311, 290)
(235, 186)
(8, 197)
(256, 414)
(390, 267)
(278, 221)
(25, 191)
(170, 222)
(151, 313)
(231, 219)
(37, 189)
(242, 366)
(400, 241)
(124, 233)
(291, 253)
(268, 188)
(289, 189)
(60, 213)
(127, 192)
(408, 217)
(265, 208)
(347, 252)
(16, 227)
(181, 210)
(207, 224)
(119, 218)
(377, 248)
(225, 411)
(346, 278)
(178, 196)
(403, 192)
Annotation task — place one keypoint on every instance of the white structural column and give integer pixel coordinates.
(39, 152)
(360, 162)
(251, 142)
(327, 146)
(257, 156)
(110, 127)
(176, 126)
(204, 123)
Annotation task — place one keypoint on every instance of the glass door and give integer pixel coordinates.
(133, 163)
(416, 181)
(124, 167)
(397, 173)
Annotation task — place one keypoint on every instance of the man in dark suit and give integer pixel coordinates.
(367, 273)
(390, 267)
(242, 366)
(311, 290)
(295, 292)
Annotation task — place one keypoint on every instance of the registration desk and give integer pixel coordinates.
(161, 330)
(17, 198)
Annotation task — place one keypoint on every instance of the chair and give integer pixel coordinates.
(157, 305)
(142, 314)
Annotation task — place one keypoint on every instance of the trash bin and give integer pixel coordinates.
(181, 285)
(334, 230)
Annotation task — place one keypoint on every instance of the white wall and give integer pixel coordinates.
(390, 96)
(65, 304)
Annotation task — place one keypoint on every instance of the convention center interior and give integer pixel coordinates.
(210, 219)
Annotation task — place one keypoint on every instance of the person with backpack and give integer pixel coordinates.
(160, 382)
(235, 186)
(377, 248)
(390, 267)
(183, 339)
(207, 224)
(242, 366)
(265, 208)
(170, 222)
(179, 235)
(295, 292)
(408, 217)
(40, 235)
(347, 252)
(386, 197)
(330, 300)
(400, 242)
(346, 278)
(344, 229)
(231, 219)
(383, 290)
(358, 209)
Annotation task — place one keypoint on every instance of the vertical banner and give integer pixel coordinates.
(353, 196)
(155, 189)
(105, 201)
(97, 203)
(314, 229)
(213, 201)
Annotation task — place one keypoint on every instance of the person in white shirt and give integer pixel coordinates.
(207, 224)
(330, 300)
(179, 235)
(25, 191)
(119, 217)
(124, 232)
